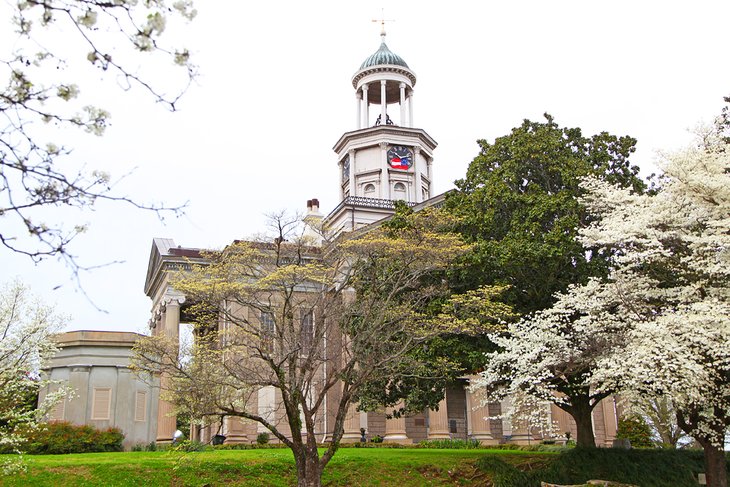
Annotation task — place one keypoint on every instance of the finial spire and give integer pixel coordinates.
(382, 21)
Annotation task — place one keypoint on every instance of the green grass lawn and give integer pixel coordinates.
(273, 467)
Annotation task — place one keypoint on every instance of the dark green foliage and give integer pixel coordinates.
(451, 444)
(647, 468)
(636, 431)
(519, 204)
(262, 438)
(502, 473)
(248, 446)
(57, 438)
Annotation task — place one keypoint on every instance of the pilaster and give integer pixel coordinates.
(384, 175)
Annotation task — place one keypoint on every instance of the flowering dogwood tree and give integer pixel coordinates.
(658, 325)
(25, 345)
(555, 355)
(674, 249)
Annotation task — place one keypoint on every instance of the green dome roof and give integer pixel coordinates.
(383, 56)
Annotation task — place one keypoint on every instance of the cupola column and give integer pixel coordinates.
(403, 105)
(410, 108)
(358, 101)
(383, 104)
(365, 106)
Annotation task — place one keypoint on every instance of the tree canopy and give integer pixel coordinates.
(26, 328)
(519, 205)
(319, 325)
(671, 258)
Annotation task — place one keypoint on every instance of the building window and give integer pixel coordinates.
(140, 406)
(370, 190)
(101, 403)
(268, 328)
(307, 331)
(399, 191)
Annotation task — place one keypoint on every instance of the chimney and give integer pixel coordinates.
(313, 222)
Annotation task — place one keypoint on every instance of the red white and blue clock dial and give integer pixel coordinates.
(400, 157)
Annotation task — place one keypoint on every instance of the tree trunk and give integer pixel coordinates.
(309, 471)
(582, 414)
(715, 468)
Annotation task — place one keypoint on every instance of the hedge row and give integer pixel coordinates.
(58, 438)
(648, 468)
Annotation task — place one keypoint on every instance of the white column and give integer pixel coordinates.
(366, 107)
(358, 101)
(383, 104)
(410, 108)
(438, 423)
(403, 105)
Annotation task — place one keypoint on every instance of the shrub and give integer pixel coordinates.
(376, 439)
(635, 429)
(648, 468)
(502, 473)
(262, 438)
(57, 438)
(452, 443)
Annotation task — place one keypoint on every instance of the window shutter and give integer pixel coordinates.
(140, 406)
(101, 403)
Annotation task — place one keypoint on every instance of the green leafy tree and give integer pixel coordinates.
(272, 314)
(635, 429)
(519, 204)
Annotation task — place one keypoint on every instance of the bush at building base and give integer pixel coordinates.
(58, 438)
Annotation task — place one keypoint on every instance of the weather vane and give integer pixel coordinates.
(382, 21)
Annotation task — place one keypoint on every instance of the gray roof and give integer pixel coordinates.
(383, 56)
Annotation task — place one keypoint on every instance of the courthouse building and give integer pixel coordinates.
(384, 159)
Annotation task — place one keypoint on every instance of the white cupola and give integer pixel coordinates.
(385, 158)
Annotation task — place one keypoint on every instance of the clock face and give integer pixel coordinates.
(400, 157)
(346, 168)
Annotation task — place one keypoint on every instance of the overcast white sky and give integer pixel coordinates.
(256, 132)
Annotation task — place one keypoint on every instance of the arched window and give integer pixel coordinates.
(399, 191)
(369, 190)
